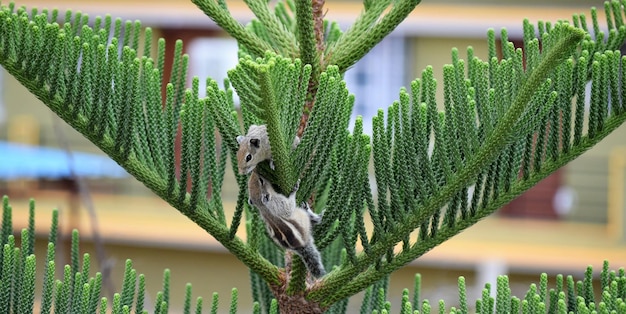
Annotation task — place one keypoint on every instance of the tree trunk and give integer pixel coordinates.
(294, 304)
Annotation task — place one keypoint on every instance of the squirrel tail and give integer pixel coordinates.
(312, 259)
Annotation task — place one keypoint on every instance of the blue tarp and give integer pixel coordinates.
(18, 161)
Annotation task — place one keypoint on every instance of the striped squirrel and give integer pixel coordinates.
(287, 224)
(254, 148)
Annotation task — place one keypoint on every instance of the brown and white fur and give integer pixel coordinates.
(287, 224)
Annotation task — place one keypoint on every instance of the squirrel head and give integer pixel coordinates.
(253, 149)
(248, 148)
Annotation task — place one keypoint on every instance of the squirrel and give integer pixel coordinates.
(254, 148)
(287, 224)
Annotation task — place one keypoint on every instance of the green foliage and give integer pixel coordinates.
(437, 172)
(79, 293)
(79, 290)
(291, 31)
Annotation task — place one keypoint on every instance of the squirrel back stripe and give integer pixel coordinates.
(286, 233)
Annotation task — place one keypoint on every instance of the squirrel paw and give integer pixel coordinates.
(296, 187)
(315, 218)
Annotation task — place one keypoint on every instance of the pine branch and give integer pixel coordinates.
(306, 35)
(282, 40)
(52, 81)
(84, 294)
(498, 139)
(474, 139)
(222, 17)
(269, 95)
(280, 145)
(558, 150)
(77, 290)
(369, 29)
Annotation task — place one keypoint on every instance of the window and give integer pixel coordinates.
(376, 79)
(212, 57)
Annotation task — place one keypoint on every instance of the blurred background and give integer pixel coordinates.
(570, 220)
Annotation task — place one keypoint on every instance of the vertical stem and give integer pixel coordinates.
(280, 150)
(306, 37)
(310, 34)
(318, 22)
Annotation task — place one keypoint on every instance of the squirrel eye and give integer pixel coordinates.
(248, 157)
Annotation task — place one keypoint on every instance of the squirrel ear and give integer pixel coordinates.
(254, 142)
(239, 139)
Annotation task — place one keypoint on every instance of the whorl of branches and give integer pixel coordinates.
(508, 122)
